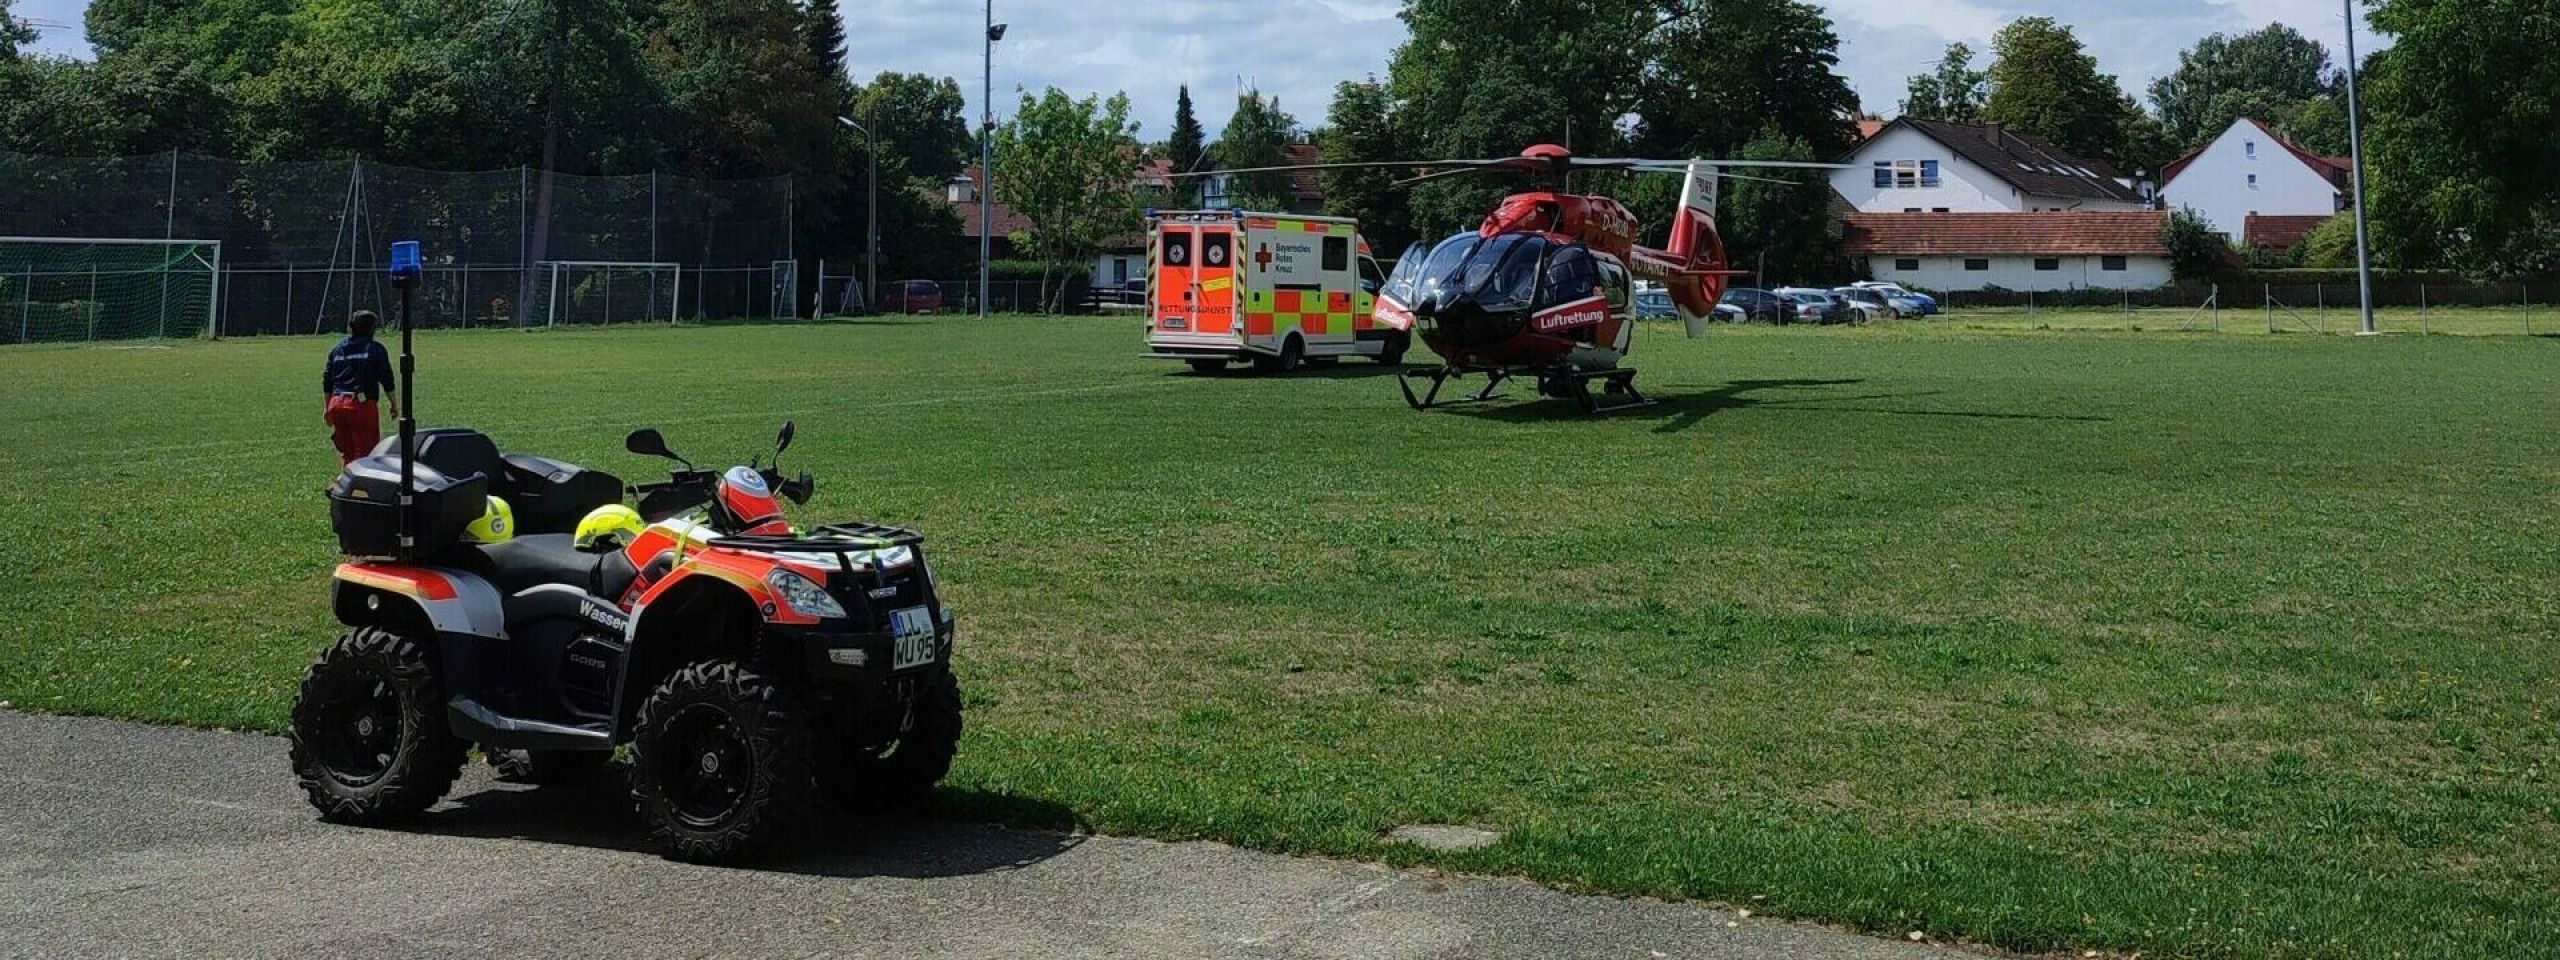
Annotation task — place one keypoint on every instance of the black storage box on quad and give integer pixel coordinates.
(551, 496)
(364, 507)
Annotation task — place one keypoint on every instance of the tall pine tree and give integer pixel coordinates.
(1189, 143)
(822, 29)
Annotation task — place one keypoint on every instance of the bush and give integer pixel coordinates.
(2196, 250)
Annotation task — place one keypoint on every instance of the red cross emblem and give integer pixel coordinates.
(1262, 257)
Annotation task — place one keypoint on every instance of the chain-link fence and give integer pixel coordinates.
(304, 243)
(2400, 306)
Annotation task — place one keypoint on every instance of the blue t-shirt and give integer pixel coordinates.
(360, 367)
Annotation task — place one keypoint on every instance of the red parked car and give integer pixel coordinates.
(912, 296)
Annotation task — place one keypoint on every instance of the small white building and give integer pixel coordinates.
(1926, 166)
(2043, 252)
(2250, 171)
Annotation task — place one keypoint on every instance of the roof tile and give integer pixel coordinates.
(2067, 234)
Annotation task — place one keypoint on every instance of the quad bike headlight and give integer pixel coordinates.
(804, 595)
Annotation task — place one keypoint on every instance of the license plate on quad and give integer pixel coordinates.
(913, 627)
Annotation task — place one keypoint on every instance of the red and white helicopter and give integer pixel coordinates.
(1544, 287)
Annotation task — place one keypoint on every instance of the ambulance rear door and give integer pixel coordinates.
(1196, 278)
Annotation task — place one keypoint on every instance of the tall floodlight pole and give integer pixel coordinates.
(2355, 151)
(986, 159)
(871, 207)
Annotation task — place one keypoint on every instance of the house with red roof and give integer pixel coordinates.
(2251, 179)
(2039, 251)
(1928, 166)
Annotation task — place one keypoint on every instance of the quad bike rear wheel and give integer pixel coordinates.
(369, 742)
(720, 762)
(900, 771)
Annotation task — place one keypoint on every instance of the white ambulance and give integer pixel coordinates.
(1272, 289)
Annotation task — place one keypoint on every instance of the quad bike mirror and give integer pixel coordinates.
(647, 442)
(782, 441)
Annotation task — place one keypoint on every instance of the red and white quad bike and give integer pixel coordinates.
(744, 661)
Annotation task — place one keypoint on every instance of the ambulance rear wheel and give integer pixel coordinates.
(1393, 355)
(1292, 354)
(1208, 366)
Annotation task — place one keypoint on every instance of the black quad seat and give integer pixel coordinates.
(554, 558)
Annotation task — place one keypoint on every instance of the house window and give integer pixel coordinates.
(1337, 253)
(1939, 210)
(1911, 209)
(1906, 174)
(2251, 148)
(2048, 264)
(2253, 181)
(1907, 265)
(2111, 264)
(1977, 266)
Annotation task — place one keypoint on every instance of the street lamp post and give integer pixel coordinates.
(871, 216)
(986, 159)
(2355, 149)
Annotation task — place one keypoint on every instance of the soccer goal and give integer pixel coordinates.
(602, 292)
(56, 289)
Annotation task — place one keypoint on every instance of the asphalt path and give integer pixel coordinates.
(129, 841)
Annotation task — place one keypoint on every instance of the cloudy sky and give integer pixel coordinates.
(1298, 49)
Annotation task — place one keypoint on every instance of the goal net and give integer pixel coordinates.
(55, 289)
(602, 292)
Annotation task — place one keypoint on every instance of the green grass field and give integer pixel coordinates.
(2186, 645)
(2253, 318)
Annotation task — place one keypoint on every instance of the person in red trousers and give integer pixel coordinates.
(357, 378)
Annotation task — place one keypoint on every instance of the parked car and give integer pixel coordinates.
(912, 296)
(1874, 304)
(1819, 306)
(1928, 304)
(1747, 305)
(1655, 305)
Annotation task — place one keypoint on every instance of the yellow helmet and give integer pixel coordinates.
(603, 522)
(497, 524)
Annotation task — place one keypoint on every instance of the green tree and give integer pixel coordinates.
(2196, 250)
(921, 119)
(822, 31)
(2320, 126)
(1187, 147)
(736, 72)
(1728, 71)
(1781, 231)
(2269, 74)
(1953, 91)
(2461, 140)
(2044, 84)
(1067, 166)
(1360, 127)
(2332, 246)
(14, 33)
(1256, 136)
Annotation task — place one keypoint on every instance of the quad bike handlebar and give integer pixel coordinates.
(690, 487)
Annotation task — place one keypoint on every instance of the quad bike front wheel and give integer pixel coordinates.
(369, 743)
(901, 770)
(720, 762)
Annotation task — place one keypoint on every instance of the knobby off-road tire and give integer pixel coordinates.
(720, 762)
(369, 742)
(548, 767)
(901, 773)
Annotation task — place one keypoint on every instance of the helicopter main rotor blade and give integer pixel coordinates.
(1362, 165)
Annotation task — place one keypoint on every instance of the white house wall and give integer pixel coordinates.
(2216, 184)
(2020, 273)
(1963, 186)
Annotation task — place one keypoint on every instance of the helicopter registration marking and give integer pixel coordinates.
(913, 627)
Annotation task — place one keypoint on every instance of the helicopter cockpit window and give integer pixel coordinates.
(1399, 285)
(1498, 273)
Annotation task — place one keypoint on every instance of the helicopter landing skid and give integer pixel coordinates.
(1617, 390)
(1439, 378)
